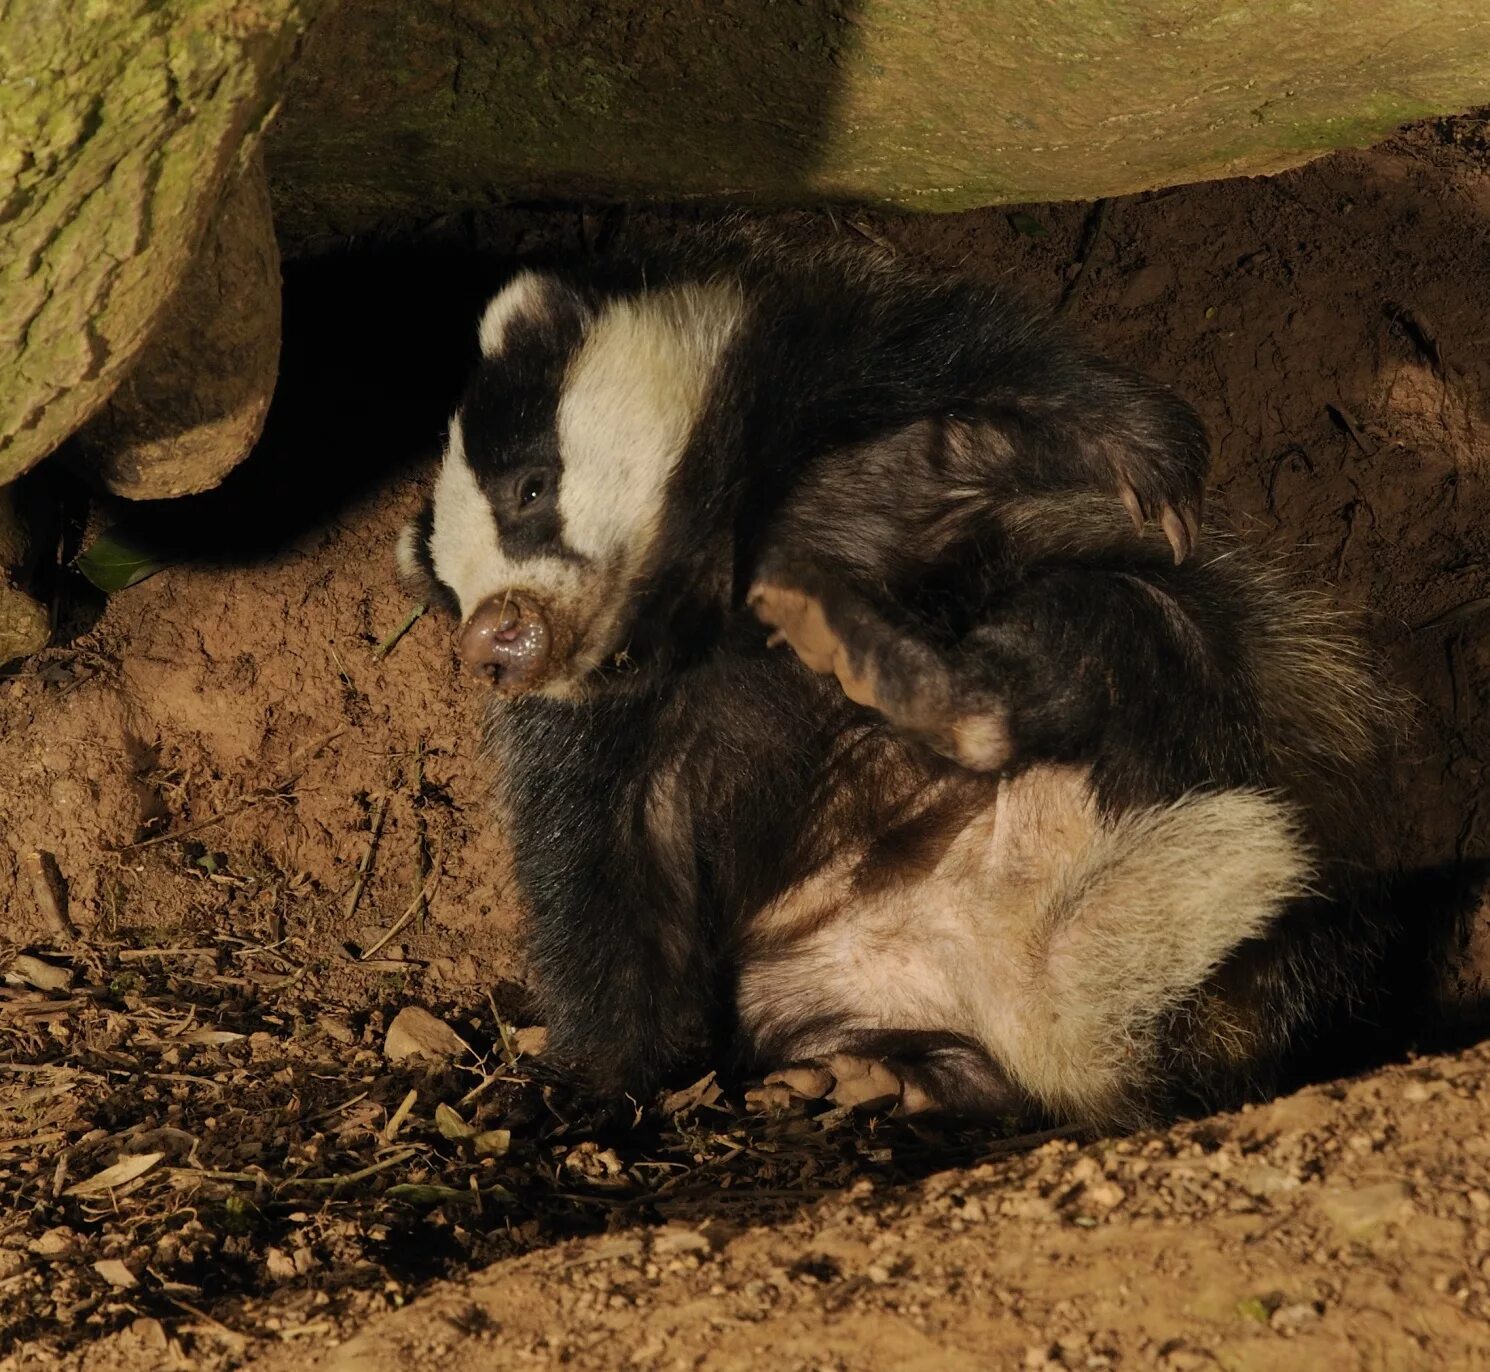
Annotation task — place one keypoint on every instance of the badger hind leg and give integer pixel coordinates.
(1125, 942)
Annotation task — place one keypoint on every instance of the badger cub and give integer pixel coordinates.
(866, 695)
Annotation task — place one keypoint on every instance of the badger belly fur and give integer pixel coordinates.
(1052, 939)
(869, 695)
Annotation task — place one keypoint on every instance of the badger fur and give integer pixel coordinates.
(863, 697)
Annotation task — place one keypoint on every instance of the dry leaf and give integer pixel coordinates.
(703, 1092)
(122, 1172)
(492, 1143)
(209, 1038)
(30, 971)
(415, 1033)
(530, 1040)
(450, 1124)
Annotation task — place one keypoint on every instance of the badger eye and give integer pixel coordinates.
(530, 488)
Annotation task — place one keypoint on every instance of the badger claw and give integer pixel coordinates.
(1177, 531)
(1180, 522)
(1133, 505)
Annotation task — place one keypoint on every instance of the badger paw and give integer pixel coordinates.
(910, 1072)
(836, 633)
(845, 1080)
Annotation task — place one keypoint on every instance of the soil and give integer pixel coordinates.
(198, 977)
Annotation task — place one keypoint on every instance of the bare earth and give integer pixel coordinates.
(225, 1004)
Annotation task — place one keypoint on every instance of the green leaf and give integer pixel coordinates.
(111, 562)
(427, 1194)
(1026, 224)
(432, 1193)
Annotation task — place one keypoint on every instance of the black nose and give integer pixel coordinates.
(506, 640)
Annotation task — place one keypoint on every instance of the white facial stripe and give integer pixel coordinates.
(632, 396)
(523, 295)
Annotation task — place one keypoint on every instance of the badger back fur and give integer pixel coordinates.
(860, 700)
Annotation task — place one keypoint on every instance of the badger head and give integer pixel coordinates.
(547, 518)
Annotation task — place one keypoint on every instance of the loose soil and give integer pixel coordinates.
(212, 755)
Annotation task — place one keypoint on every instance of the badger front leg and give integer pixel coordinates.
(1125, 670)
(603, 851)
(917, 689)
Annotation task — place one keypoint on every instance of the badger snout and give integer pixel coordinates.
(506, 640)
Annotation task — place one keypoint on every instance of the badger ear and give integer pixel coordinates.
(415, 574)
(523, 297)
(406, 560)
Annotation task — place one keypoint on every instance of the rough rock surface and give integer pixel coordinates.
(418, 107)
(119, 126)
(193, 405)
(24, 626)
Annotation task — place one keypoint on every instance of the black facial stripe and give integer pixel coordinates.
(509, 421)
(434, 592)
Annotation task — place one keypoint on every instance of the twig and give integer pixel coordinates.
(402, 920)
(230, 1336)
(280, 792)
(1464, 610)
(421, 833)
(354, 896)
(361, 1174)
(872, 236)
(395, 1121)
(1091, 233)
(138, 954)
(391, 642)
(1018, 1143)
(50, 892)
(1351, 425)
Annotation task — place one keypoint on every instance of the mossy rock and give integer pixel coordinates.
(411, 108)
(120, 123)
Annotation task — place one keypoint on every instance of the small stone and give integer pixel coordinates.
(1084, 1169)
(151, 1333)
(415, 1033)
(1356, 1212)
(336, 1029)
(54, 1243)
(1289, 1319)
(115, 1273)
(675, 1239)
(280, 1264)
(1105, 1195)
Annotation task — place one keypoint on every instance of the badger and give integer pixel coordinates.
(868, 698)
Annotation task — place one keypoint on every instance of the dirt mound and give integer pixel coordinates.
(213, 756)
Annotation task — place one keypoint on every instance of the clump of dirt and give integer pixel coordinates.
(267, 819)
